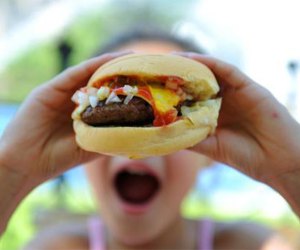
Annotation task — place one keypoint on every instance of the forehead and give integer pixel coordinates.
(151, 46)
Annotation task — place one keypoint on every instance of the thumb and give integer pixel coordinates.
(225, 146)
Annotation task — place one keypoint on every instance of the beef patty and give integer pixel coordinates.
(137, 112)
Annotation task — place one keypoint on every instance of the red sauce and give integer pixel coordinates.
(144, 92)
(174, 79)
(119, 91)
(165, 118)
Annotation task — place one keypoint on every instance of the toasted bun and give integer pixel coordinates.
(140, 142)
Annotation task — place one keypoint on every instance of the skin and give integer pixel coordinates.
(260, 139)
(50, 148)
(146, 230)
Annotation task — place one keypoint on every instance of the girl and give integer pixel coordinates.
(140, 199)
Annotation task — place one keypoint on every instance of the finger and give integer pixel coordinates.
(214, 148)
(227, 73)
(55, 95)
(71, 78)
(207, 147)
(64, 153)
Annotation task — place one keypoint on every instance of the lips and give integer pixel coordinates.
(136, 186)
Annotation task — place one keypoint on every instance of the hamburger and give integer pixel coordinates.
(143, 105)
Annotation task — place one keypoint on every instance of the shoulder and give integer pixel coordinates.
(247, 235)
(60, 236)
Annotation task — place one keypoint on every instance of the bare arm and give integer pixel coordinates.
(256, 134)
(13, 190)
(39, 142)
(248, 235)
(62, 235)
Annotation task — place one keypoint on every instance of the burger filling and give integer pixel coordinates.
(132, 101)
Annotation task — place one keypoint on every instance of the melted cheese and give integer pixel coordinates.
(164, 99)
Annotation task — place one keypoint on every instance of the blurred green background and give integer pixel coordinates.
(85, 32)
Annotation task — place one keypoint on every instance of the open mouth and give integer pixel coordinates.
(136, 187)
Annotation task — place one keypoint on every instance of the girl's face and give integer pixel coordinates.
(140, 199)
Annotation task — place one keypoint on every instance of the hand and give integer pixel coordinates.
(255, 133)
(39, 143)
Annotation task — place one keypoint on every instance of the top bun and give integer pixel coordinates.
(198, 78)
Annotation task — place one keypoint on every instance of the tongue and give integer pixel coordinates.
(136, 188)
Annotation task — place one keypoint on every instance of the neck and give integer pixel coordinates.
(181, 234)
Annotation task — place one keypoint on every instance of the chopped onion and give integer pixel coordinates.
(135, 90)
(75, 97)
(128, 99)
(80, 109)
(112, 98)
(127, 89)
(93, 101)
(130, 90)
(83, 98)
(103, 93)
(92, 91)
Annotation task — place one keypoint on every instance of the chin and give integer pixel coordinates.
(137, 201)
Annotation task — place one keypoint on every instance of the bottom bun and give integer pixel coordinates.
(141, 142)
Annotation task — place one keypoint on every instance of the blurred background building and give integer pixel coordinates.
(39, 38)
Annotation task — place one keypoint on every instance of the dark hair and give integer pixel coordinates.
(146, 33)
